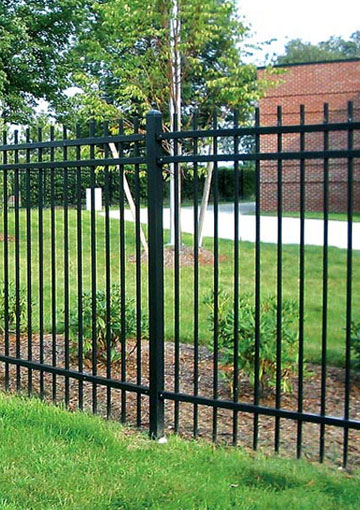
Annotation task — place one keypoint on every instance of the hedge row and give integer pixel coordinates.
(225, 179)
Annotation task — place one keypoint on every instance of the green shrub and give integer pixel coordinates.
(101, 322)
(12, 308)
(53, 185)
(226, 183)
(246, 330)
(246, 182)
(355, 342)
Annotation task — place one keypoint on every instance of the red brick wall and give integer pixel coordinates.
(311, 85)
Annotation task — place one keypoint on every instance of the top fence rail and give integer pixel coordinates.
(74, 142)
(260, 130)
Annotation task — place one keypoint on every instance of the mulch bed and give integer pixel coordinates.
(311, 401)
(9, 238)
(186, 257)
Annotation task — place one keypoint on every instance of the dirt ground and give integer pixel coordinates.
(288, 428)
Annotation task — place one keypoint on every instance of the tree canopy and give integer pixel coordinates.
(35, 41)
(124, 60)
(118, 53)
(335, 48)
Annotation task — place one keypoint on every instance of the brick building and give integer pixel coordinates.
(311, 85)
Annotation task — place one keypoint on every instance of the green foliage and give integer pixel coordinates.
(334, 48)
(226, 183)
(35, 41)
(115, 323)
(12, 308)
(58, 192)
(355, 342)
(268, 338)
(131, 73)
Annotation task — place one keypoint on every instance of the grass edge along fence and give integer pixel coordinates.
(30, 159)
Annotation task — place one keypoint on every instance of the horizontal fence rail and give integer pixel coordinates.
(235, 331)
(258, 130)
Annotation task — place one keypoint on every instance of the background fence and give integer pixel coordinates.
(242, 341)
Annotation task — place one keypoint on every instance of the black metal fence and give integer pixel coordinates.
(190, 338)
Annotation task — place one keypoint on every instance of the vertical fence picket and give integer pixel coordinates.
(236, 283)
(257, 282)
(17, 262)
(107, 274)
(41, 176)
(279, 281)
(28, 261)
(176, 278)
(349, 266)
(325, 287)
(53, 265)
(79, 268)
(138, 277)
(122, 275)
(92, 129)
(66, 269)
(301, 287)
(196, 279)
(216, 282)
(6, 264)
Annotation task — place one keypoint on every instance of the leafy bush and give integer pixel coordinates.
(53, 185)
(268, 323)
(101, 323)
(12, 308)
(246, 182)
(355, 342)
(226, 183)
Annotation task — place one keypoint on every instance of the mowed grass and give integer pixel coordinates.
(315, 215)
(290, 281)
(51, 459)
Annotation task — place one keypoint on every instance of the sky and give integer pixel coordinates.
(310, 20)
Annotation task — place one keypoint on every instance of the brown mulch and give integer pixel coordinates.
(186, 257)
(311, 400)
(9, 238)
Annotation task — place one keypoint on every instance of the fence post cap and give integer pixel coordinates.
(153, 113)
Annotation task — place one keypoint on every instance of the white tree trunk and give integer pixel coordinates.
(205, 198)
(130, 199)
(175, 107)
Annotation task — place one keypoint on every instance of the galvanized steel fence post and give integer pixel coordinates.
(156, 272)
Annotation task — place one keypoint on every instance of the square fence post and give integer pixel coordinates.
(156, 272)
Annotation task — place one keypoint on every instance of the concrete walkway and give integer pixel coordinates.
(314, 229)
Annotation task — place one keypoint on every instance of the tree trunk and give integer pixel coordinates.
(130, 199)
(205, 197)
(175, 108)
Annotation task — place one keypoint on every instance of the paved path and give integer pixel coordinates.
(314, 229)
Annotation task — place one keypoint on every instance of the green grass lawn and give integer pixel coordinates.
(314, 215)
(313, 299)
(51, 459)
